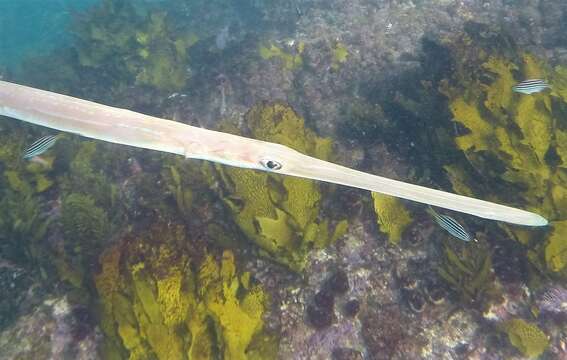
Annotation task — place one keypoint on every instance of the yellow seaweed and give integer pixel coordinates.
(290, 61)
(556, 247)
(339, 55)
(528, 338)
(391, 215)
(153, 305)
(520, 133)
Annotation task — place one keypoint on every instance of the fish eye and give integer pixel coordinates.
(271, 164)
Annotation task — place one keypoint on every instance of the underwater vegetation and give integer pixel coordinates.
(23, 176)
(183, 196)
(340, 55)
(161, 300)
(515, 143)
(290, 59)
(280, 213)
(527, 337)
(364, 122)
(82, 220)
(123, 44)
(22, 228)
(87, 170)
(468, 271)
(392, 216)
(22, 225)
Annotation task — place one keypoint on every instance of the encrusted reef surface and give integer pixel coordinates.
(110, 252)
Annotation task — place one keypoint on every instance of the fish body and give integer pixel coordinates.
(298, 11)
(531, 86)
(40, 146)
(120, 126)
(450, 225)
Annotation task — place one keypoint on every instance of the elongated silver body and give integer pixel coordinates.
(126, 127)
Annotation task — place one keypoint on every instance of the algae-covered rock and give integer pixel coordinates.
(124, 44)
(85, 227)
(510, 137)
(339, 55)
(391, 215)
(22, 228)
(85, 177)
(22, 184)
(238, 318)
(514, 142)
(161, 301)
(468, 271)
(528, 338)
(556, 247)
(290, 59)
(20, 175)
(280, 213)
(83, 222)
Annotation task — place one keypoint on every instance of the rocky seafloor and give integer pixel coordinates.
(361, 297)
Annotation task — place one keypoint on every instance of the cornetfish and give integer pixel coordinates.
(121, 126)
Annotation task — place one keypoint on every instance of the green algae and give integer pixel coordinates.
(85, 175)
(392, 216)
(468, 271)
(279, 213)
(181, 192)
(513, 142)
(129, 46)
(22, 224)
(82, 221)
(514, 130)
(556, 247)
(527, 337)
(24, 176)
(291, 60)
(339, 55)
(22, 228)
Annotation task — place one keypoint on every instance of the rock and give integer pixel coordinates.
(346, 354)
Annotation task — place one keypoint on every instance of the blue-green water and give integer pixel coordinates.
(35, 27)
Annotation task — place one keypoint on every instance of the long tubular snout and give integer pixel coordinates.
(313, 168)
(126, 127)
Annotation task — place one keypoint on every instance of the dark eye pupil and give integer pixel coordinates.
(271, 164)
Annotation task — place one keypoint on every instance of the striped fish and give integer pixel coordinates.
(450, 225)
(40, 146)
(531, 86)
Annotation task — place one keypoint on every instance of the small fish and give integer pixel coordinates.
(40, 146)
(298, 11)
(531, 86)
(450, 225)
